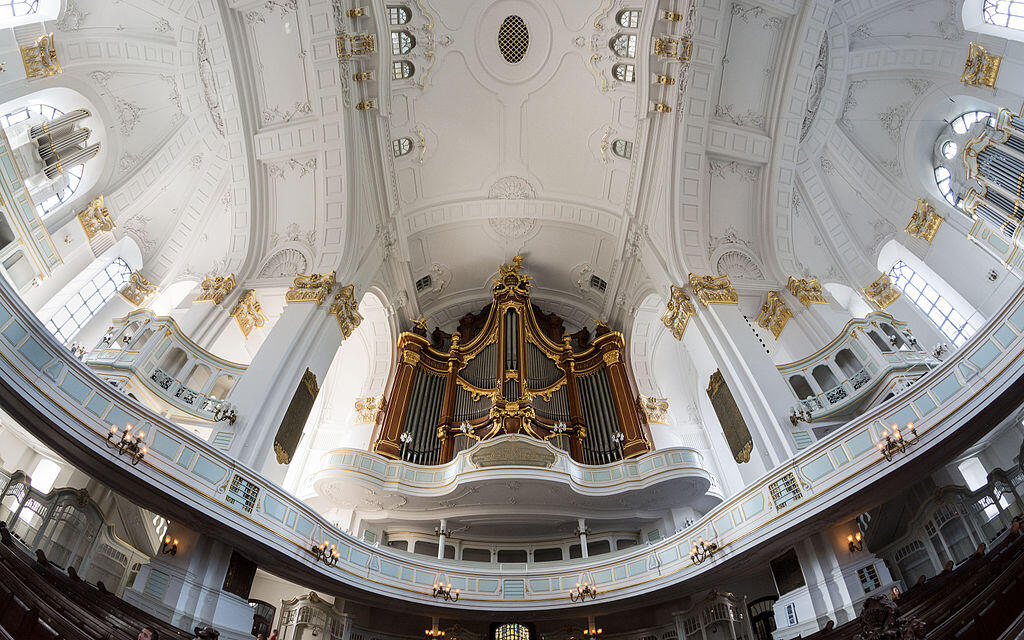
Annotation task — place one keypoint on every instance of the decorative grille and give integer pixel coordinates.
(513, 39)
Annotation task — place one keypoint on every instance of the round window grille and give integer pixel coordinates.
(513, 39)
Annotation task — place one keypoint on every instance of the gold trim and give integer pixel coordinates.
(313, 287)
(138, 290)
(248, 313)
(882, 292)
(711, 290)
(345, 310)
(678, 311)
(95, 219)
(215, 288)
(806, 290)
(924, 222)
(774, 314)
(980, 68)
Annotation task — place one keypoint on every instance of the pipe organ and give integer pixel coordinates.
(511, 369)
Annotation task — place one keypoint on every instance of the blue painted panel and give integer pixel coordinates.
(817, 468)
(925, 404)
(274, 508)
(1005, 335)
(14, 333)
(753, 506)
(164, 445)
(860, 443)
(985, 354)
(946, 387)
(35, 353)
(75, 388)
(303, 526)
(209, 470)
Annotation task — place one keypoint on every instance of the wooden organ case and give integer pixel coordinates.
(511, 376)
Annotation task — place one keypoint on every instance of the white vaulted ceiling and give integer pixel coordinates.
(794, 144)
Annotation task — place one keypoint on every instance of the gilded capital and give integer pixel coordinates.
(774, 314)
(924, 222)
(806, 290)
(712, 290)
(314, 287)
(369, 409)
(345, 309)
(40, 58)
(138, 290)
(656, 409)
(981, 68)
(248, 313)
(678, 311)
(95, 219)
(882, 292)
(215, 288)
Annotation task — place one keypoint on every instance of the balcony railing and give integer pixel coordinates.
(871, 357)
(160, 358)
(71, 409)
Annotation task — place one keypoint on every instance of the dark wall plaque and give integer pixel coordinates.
(787, 573)
(288, 434)
(735, 428)
(241, 572)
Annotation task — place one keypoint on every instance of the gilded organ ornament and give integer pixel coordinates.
(40, 58)
(248, 313)
(882, 292)
(924, 222)
(656, 409)
(314, 287)
(981, 68)
(712, 290)
(345, 309)
(138, 290)
(774, 314)
(95, 219)
(678, 311)
(806, 290)
(215, 288)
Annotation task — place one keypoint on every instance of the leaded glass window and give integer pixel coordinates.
(624, 72)
(624, 45)
(398, 14)
(622, 148)
(402, 43)
(950, 322)
(1005, 13)
(84, 304)
(401, 69)
(630, 19)
(512, 632)
(401, 146)
(15, 8)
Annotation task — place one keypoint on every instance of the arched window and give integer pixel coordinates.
(398, 14)
(40, 113)
(401, 69)
(946, 155)
(1005, 13)
(15, 8)
(622, 149)
(84, 304)
(402, 43)
(950, 322)
(630, 18)
(624, 45)
(624, 72)
(401, 146)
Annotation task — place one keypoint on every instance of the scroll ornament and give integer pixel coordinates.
(369, 409)
(774, 314)
(215, 288)
(656, 409)
(314, 287)
(138, 290)
(882, 292)
(981, 68)
(806, 290)
(248, 313)
(924, 222)
(345, 309)
(95, 219)
(678, 311)
(712, 290)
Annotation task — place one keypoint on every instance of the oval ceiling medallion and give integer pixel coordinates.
(513, 39)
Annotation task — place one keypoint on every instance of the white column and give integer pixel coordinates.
(441, 539)
(582, 524)
(305, 336)
(764, 398)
